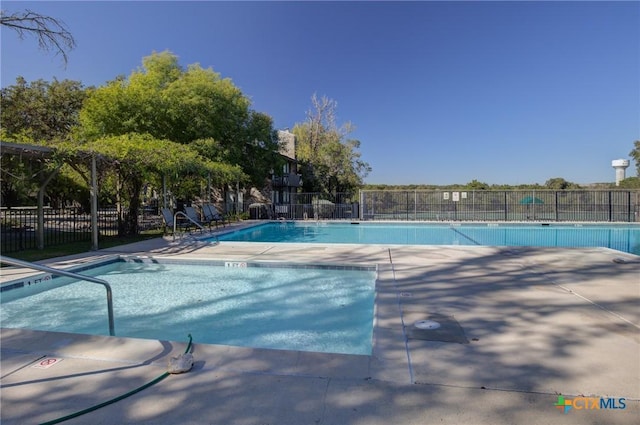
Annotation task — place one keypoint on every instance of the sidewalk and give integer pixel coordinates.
(537, 323)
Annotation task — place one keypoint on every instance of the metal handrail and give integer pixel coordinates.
(175, 222)
(20, 263)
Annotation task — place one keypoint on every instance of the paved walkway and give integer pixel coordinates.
(520, 326)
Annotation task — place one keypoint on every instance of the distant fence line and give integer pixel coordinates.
(508, 205)
(449, 205)
(18, 230)
(309, 206)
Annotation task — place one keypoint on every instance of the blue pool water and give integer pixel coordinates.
(306, 309)
(624, 238)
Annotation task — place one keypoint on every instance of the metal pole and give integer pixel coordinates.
(505, 205)
(164, 190)
(40, 209)
(94, 205)
(407, 206)
(610, 207)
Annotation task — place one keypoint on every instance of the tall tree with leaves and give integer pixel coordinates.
(185, 106)
(41, 110)
(634, 181)
(133, 159)
(635, 154)
(330, 160)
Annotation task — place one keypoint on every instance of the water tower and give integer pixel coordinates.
(620, 165)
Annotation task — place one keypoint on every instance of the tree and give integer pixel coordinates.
(51, 33)
(635, 154)
(630, 183)
(476, 185)
(41, 110)
(330, 161)
(134, 159)
(185, 106)
(558, 183)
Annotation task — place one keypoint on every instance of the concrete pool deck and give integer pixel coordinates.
(540, 322)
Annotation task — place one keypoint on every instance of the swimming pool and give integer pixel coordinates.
(624, 238)
(308, 308)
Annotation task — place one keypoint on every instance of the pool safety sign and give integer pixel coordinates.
(46, 363)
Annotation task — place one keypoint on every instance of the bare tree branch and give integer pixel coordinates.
(51, 33)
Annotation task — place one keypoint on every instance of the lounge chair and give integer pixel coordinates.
(168, 218)
(194, 217)
(211, 215)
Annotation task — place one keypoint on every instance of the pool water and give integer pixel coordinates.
(624, 238)
(306, 309)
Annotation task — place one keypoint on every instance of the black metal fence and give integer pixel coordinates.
(309, 206)
(511, 205)
(442, 205)
(18, 226)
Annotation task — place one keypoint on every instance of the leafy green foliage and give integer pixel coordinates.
(630, 183)
(40, 111)
(189, 124)
(330, 161)
(185, 106)
(559, 183)
(635, 154)
(476, 185)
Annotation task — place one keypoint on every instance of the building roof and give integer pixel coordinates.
(287, 144)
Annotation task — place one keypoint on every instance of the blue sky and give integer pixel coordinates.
(439, 92)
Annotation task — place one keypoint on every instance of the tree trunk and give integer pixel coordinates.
(130, 220)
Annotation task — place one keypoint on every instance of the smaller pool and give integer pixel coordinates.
(308, 308)
(624, 238)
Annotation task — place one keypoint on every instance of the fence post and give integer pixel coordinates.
(407, 209)
(473, 204)
(505, 206)
(610, 207)
(94, 205)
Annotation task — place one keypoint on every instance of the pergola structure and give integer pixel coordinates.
(43, 154)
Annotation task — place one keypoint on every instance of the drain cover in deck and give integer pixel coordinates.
(435, 327)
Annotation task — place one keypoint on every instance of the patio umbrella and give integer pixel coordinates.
(528, 200)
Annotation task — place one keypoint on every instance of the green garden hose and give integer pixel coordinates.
(113, 400)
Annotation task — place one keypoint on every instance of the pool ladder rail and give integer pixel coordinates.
(60, 272)
(200, 226)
